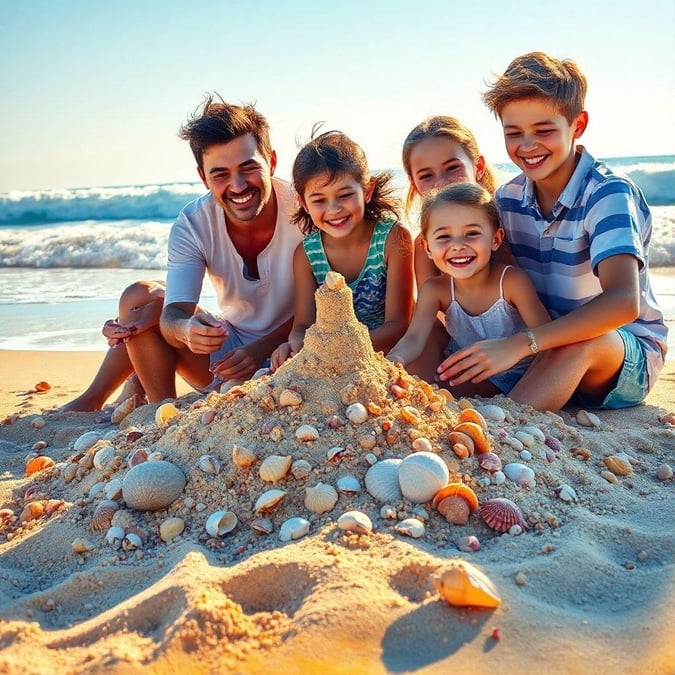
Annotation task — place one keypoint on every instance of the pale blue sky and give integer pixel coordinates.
(93, 93)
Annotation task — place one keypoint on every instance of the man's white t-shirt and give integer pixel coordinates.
(199, 242)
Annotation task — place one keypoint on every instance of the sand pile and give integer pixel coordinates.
(306, 437)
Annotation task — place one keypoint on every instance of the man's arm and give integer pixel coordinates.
(198, 330)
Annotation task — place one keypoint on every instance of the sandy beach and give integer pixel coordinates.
(587, 587)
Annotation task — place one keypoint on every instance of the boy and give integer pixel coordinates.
(582, 234)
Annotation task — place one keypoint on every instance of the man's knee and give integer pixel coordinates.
(138, 294)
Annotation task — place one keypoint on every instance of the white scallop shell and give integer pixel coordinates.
(151, 486)
(410, 527)
(114, 536)
(268, 500)
(519, 473)
(321, 498)
(357, 413)
(382, 480)
(104, 457)
(243, 457)
(348, 485)
(300, 469)
(306, 432)
(86, 440)
(220, 523)
(534, 431)
(421, 475)
(113, 488)
(170, 528)
(293, 528)
(275, 467)
(355, 521)
(492, 412)
(208, 464)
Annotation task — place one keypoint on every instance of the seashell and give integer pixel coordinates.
(207, 416)
(553, 443)
(81, 545)
(398, 391)
(668, 419)
(132, 435)
(664, 472)
(156, 455)
(261, 372)
(489, 461)
(170, 528)
(457, 439)
(500, 513)
(262, 525)
(151, 486)
(515, 530)
(422, 444)
(421, 475)
(69, 472)
(103, 513)
(53, 505)
(277, 433)
(609, 476)
(498, 478)
(535, 432)
(410, 527)
(477, 435)
(290, 397)
(566, 493)
(355, 521)
(334, 422)
(525, 455)
(521, 474)
(123, 409)
(132, 541)
(526, 439)
(114, 536)
(300, 469)
(472, 415)
(220, 523)
(86, 440)
(208, 464)
(165, 413)
(104, 457)
(382, 480)
(512, 442)
(348, 485)
(293, 528)
(588, 419)
(32, 511)
(468, 544)
(32, 491)
(243, 457)
(137, 457)
(455, 502)
(336, 454)
(374, 408)
(275, 467)
(334, 281)
(492, 412)
(356, 413)
(369, 458)
(463, 585)
(38, 463)
(420, 513)
(388, 512)
(123, 518)
(618, 464)
(321, 498)
(269, 500)
(6, 517)
(411, 415)
(307, 433)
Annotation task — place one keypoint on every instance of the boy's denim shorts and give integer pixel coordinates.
(633, 384)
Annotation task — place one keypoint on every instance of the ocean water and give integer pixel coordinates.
(65, 255)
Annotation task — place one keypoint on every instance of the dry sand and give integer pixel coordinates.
(588, 587)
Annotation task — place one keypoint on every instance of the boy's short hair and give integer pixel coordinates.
(538, 75)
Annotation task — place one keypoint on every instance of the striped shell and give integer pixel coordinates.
(151, 486)
(208, 464)
(500, 514)
(306, 432)
(618, 464)
(382, 480)
(275, 467)
(293, 528)
(421, 475)
(220, 523)
(321, 498)
(355, 521)
(103, 514)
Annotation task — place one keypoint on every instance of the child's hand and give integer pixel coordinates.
(479, 361)
(282, 353)
(395, 358)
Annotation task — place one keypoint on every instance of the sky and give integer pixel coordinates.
(93, 93)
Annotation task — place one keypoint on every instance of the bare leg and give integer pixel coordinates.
(425, 366)
(592, 367)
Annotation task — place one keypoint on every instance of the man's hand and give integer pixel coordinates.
(204, 333)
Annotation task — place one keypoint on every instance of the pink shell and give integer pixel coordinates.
(490, 462)
(500, 514)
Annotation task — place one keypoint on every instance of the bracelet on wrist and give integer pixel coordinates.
(532, 341)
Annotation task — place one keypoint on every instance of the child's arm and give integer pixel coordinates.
(305, 308)
(520, 292)
(617, 305)
(398, 308)
(429, 302)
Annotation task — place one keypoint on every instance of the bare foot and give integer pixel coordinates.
(132, 387)
(83, 403)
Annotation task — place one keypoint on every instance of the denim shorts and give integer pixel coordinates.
(633, 384)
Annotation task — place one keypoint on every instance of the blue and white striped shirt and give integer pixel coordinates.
(599, 214)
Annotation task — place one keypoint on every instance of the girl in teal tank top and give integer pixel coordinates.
(351, 222)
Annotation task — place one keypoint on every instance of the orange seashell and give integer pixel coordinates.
(398, 392)
(460, 438)
(472, 415)
(410, 414)
(374, 408)
(32, 511)
(42, 386)
(500, 514)
(461, 584)
(52, 505)
(460, 490)
(478, 436)
(454, 509)
(38, 463)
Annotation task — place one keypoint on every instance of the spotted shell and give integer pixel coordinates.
(269, 500)
(275, 467)
(500, 513)
(355, 521)
(243, 457)
(489, 461)
(421, 475)
(306, 432)
(293, 528)
(38, 463)
(463, 585)
(151, 486)
(410, 527)
(382, 480)
(357, 413)
(170, 528)
(220, 523)
(103, 514)
(520, 473)
(477, 435)
(321, 498)
(165, 413)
